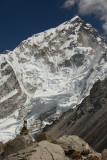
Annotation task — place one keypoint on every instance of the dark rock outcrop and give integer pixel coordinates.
(46, 137)
(88, 120)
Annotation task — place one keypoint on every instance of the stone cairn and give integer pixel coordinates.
(24, 130)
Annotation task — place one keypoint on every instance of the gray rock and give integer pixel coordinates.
(44, 151)
(48, 151)
(104, 154)
(19, 143)
(75, 143)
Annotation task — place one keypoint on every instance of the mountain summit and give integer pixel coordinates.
(49, 73)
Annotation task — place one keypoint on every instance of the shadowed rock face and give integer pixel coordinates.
(78, 59)
(88, 120)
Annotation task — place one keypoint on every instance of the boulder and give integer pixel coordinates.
(48, 151)
(44, 151)
(76, 144)
(104, 154)
(76, 148)
(45, 136)
(19, 143)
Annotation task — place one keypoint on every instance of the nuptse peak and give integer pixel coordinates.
(49, 73)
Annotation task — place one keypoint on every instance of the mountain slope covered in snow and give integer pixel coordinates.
(49, 73)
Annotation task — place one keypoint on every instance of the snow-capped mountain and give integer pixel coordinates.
(49, 73)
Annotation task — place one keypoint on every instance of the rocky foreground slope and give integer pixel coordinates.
(88, 120)
(49, 73)
(46, 148)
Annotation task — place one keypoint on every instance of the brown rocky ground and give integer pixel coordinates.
(13, 146)
(64, 148)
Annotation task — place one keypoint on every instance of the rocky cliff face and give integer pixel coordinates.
(88, 120)
(11, 96)
(49, 73)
